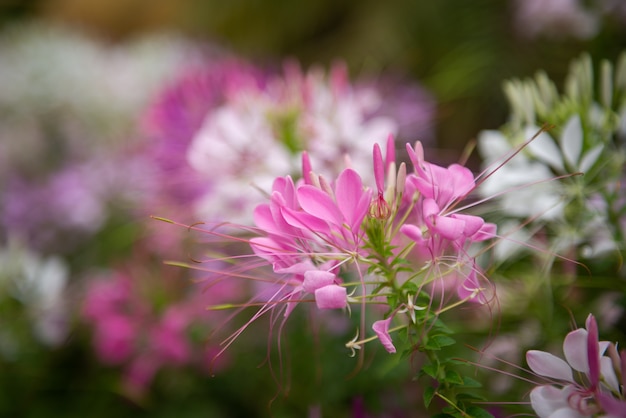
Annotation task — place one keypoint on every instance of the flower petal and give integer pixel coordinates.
(331, 297)
(572, 140)
(305, 221)
(575, 349)
(593, 350)
(315, 279)
(546, 400)
(549, 365)
(381, 328)
(608, 373)
(413, 232)
(379, 169)
(448, 227)
(611, 406)
(493, 145)
(487, 231)
(590, 158)
(544, 148)
(319, 204)
(472, 223)
(352, 199)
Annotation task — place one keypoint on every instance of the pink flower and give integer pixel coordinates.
(114, 339)
(330, 238)
(331, 297)
(381, 328)
(585, 355)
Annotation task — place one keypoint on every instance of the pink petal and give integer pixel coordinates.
(417, 157)
(426, 187)
(487, 231)
(390, 151)
(306, 168)
(608, 373)
(349, 193)
(265, 248)
(622, 367)
(469, 286)
(441, 184)
(331, 297)
(285, 187)
(381, 328)
(462, 179)
(575, 349)
(612, 407)
(449, 228)
(472, 223)
(546, 400)
(430, 208)
(315, 279)
(593, 350)
(264, 219)
(305, 221)
(297, 268)
(319, 204)
(412, 232)
(548, 365)
(379, 169)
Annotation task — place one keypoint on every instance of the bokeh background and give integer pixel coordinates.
(85, 107)
(460, 51)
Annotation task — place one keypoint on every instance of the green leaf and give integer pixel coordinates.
(436, 342)
(429, 393)
(453, 377)
(476, 412)
(469, 397)
(410, 288)
(431, 370)
(468, 382)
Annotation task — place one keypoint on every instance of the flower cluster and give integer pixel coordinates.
(32, 290)
(147, 325)
(337, 243)
(67, 115)
(583, 133)
(226, 125)
(589, 384)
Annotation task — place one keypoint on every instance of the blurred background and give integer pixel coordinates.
(460, 51)
(84, 295)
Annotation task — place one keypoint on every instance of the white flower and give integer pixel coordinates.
(39, 283)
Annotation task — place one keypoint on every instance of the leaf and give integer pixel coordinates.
(453, 377)
(442, 340)
(468, 382)
(441, 327)
(429, 393)
(431, 370)
(469, 397)
(476, 412)
(410, 287)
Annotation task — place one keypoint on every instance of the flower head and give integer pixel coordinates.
(596, 391)
(327, 244)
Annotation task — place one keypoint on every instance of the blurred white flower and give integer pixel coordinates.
(39, 284)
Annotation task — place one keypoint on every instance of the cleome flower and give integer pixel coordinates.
(586, 383)
(584, 134)
(339, 244)
(227, 124)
